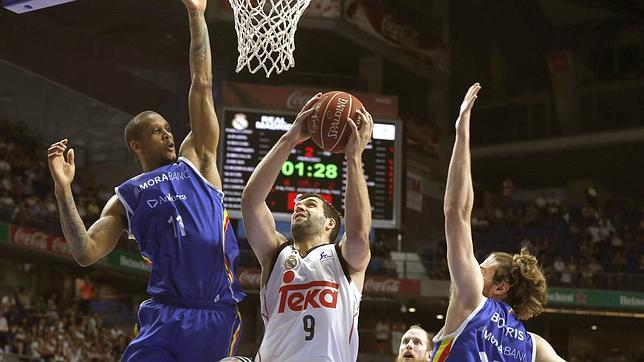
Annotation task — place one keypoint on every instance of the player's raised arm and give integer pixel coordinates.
(200, 146)
(258, 220)
(464, 270)
(357, 211)
(86, 246)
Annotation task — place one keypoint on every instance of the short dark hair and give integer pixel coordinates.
(133, 129)
(329, 211)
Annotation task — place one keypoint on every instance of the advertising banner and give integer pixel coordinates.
(251, 279)
(596, 298)
(293, 99)
(33, 239)
(366, 15)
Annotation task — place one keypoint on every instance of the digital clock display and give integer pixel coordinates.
(248, 135)
(315, 170)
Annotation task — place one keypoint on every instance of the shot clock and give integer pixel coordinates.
(248, 135)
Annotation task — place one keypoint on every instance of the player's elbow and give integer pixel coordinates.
(202, 82)
(457, 212)
(86, 255)
(84, 261)
(246, 198)
(360, 240)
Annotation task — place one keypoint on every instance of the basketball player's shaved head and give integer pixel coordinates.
(149, 136)
(134, 128)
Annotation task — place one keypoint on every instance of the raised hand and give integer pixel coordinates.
(199, 5)
(62, 171)
(359, 138)
(463, 121)
(300, 128)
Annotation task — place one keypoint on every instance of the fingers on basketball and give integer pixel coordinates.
(309, 104)
(329, 124)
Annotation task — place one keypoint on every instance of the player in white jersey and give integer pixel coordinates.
(311, 287)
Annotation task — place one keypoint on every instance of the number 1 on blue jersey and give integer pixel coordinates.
(182, 229)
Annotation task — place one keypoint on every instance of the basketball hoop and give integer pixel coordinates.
(266, 33)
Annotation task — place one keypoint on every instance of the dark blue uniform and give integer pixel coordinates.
(183, 230)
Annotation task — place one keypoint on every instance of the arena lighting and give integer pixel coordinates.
(593, 327)
(412, 310)
(439, 316)
(594, 313)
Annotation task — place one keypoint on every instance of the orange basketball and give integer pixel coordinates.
(328, 124)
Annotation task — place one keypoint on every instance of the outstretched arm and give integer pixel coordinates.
(464, 270)
(86, 246)
(200, 146)
(258, 220)
(545, 352)
(357, 212)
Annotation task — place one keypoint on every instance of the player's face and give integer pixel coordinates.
(308, 216)
(414, 346)
(157, 140)
(488, 267)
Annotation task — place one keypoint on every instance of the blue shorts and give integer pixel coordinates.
(175, 330)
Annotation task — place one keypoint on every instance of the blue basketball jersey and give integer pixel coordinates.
(183, 230)
(491, 333)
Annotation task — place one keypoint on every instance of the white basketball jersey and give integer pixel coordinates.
(310, 308)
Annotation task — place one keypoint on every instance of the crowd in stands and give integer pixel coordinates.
(590, 245)
(26, 188)
(381, 262)
(50, 328)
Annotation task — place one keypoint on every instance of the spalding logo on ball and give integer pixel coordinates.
(328, 125)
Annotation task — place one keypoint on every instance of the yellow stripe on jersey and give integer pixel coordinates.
(225, 224)
(444, 347)
(233, 342)
(147, 260)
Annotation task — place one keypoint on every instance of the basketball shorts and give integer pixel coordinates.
(170, 329)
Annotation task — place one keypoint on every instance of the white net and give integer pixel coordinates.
(266, 33)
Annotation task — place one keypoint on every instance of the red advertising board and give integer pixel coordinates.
(293, 99)
(251, 279)
(33, 239)
(366, 15)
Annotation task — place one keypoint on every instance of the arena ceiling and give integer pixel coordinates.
(120, 57)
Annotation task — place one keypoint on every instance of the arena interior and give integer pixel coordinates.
(557, 157)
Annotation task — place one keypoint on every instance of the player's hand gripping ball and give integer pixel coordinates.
(328, 124)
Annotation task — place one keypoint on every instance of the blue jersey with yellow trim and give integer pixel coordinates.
(491, 333)
(183, 230)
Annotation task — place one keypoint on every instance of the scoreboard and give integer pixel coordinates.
(248, 135)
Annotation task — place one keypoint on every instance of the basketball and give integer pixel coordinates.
(328, 124)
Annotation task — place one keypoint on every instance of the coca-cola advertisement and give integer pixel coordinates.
(37, 240)
(370, 18)
(381, 285)
(251, 279)
(254, 96)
